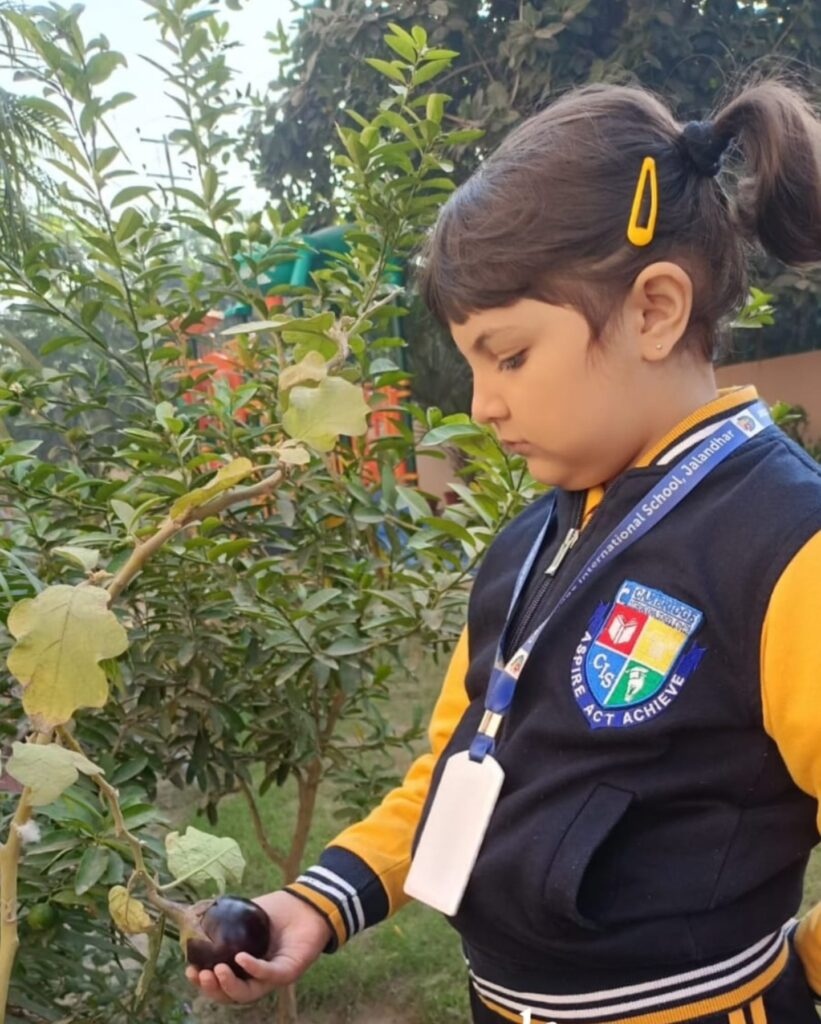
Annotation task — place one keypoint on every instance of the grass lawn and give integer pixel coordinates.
(408, 970)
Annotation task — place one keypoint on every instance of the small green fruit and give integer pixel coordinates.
(41, 917)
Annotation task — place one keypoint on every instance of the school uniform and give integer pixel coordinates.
(662, 754)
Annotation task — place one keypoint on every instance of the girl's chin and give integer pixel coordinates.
(546, 470)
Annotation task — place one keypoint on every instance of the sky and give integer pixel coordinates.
(149, 115)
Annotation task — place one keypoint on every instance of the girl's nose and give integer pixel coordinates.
(487, 407)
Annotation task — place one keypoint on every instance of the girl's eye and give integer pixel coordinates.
(512, 362)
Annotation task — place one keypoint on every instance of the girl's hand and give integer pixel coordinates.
(298, 935)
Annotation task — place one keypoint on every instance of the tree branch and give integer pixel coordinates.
(145, 549)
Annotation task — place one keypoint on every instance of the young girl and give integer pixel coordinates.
(622, 790)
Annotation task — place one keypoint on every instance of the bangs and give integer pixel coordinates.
(465, 262)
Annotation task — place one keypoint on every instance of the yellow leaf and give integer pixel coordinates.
(47, 769)
(312, 368)
(62, 635)
(225, 479)
(295, 456)
(319, 415)
(128, 914)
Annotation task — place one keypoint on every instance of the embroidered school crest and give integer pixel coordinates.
(631, 662)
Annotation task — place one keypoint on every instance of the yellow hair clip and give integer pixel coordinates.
(637, 233)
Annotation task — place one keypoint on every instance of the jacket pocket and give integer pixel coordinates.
(597, 818)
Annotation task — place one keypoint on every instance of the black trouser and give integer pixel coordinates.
(787, 1001)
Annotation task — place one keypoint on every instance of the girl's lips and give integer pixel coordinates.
(519, 447)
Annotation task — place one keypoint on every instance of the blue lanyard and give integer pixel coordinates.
(684, 477)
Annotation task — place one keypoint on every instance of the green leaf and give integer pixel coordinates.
(401, 124)
(255, 326)
(201, 858)
(44, 106)
(356, 150)
(47, 769)
(441, 54)
(93, 865)
(402, 44)
(105, 157)
(320, 598)
(450, 432)
(459, 138)
(131, 192)
(210, 184)
(390, 69)
(117, 100)
(451, 528)
(128, 769)
(413, 501)
(102, 65)
(347, 645)
(229, 476)
(319, 415)
(129, 223)
(429, 71)
(85, 558)
(62, 341)
(62, 635)
(90, 311)
(435, 107)
(124, 512)
(164, 415)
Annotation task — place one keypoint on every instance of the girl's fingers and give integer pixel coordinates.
(262, 970)
(211, 987)
(223, 986)
(235, 989)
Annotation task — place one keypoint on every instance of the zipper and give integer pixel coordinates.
(570, 539)
(548, 576)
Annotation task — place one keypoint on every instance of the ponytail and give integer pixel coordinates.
(778, 201)
(546, 216)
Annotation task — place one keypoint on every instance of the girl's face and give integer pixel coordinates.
(579, 411)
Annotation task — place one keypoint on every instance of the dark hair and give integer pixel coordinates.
(546, 215)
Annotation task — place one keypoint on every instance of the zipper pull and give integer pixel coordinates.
(570, 539)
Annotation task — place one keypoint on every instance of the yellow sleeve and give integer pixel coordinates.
(791, 687)
(360, 875)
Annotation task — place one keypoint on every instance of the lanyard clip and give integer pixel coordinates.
(484, 740)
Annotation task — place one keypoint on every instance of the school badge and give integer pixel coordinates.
(631, 662)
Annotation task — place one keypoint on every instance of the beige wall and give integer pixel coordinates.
(794, 379)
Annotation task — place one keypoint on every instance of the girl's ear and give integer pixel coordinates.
(658, 308)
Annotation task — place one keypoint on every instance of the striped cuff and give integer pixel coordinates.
(347, 893)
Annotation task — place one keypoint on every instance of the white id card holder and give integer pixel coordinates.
(454, 830)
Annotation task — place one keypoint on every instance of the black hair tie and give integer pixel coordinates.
(704, 147)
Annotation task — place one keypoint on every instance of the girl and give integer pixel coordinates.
(621, 794)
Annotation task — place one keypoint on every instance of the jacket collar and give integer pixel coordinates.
(687, 432)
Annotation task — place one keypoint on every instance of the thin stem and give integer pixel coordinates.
(91, 157)
(113, 800)
(63, 314)
(9, 864)
(273, 854)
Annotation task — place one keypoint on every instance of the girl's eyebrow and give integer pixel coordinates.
(479, 345)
